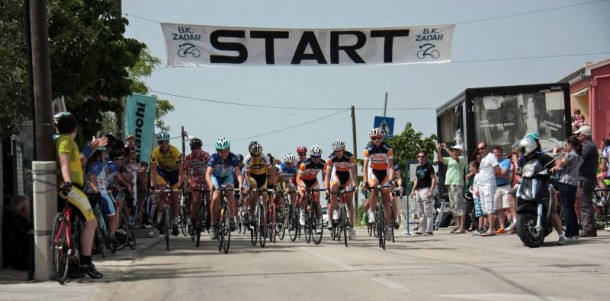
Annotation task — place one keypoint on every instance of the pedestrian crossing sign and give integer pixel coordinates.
(386, 124)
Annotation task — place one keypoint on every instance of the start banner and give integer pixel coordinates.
(140, 116)
(200, 45)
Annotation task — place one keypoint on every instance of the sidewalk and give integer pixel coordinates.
(120, 258)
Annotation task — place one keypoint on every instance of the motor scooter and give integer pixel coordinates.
(534, 201)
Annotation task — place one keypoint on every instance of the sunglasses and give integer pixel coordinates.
(162, 142)
(303, 154)
(480, 148)
(376, 138)
(421, 156)
(316, 157)
(195, 148)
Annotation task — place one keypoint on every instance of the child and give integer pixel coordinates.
(474, 189)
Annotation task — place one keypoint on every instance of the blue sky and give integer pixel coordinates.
(495, 43)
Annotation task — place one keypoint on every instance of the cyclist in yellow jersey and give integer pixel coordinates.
(256, 164)
(166, 168)
(71, 179)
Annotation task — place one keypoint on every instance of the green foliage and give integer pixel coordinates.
(163, 108)
(15, 93)
(409, 142)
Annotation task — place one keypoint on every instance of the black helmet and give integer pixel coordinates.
(195, 143)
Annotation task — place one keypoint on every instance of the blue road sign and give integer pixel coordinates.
(386, 124)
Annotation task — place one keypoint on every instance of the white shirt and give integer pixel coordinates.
(487, 174)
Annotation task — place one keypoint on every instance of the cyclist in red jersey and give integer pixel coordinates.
(195, 165)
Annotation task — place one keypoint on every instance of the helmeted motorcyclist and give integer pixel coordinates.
(530, 149)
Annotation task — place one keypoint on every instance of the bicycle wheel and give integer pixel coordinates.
(124, 228)
(183, 222)
(100, 242)
(293, 223)
(220, 228)
(255, 229)
(226, 243)
(167, 225)
(199, 227)
(262, 239)
(59, 246)
(317, 224)
(344, 224)
(380, 225)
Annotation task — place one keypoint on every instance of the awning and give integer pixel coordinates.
(581, 92)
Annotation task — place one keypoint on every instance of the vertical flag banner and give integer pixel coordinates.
(200, 45)
(141, 113)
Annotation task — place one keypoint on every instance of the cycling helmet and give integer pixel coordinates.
(240, 157)
(532, 135)
(316, 151)
(289, 158)
(163, 136)
(302, 149)
(255, 148)
(527, 146)
(222, 143)
(338, 145)
(59, 115)
(375, 132)
(195, 143)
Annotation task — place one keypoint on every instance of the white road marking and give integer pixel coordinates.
(508, 297)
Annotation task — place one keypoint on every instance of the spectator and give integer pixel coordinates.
(587, 182)
(15, 237)
(568, 167)
(502, 188)
(578, 120)
(605, 164)
(487, 185)
(474, 189)
(454, 178)
(142, 191)
(423, 188)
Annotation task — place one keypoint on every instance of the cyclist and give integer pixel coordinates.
(166, 168)
(195, 165)
(378, 168)
(221, 167)
(97, 172)
(71, 180)
(288, 172)
(272, 178)
(257, 165)
(307, 177)
(340, 171)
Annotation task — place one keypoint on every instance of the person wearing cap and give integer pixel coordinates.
(588, 179)
(454, 179)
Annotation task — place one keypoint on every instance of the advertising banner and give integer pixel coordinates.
(200, 45)
(140, 116)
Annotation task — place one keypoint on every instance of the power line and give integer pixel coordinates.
(530, 57)
(244, 104)
(288, 128)
(530, 12)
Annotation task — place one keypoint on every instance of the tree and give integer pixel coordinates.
(409, 142)
(15, 93)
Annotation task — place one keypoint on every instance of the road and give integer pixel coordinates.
(439, 267)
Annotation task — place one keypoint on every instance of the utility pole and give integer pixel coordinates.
(385, 105)
(355, 150)
(41, 82)
(44, 165)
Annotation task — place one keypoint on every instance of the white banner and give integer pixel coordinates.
(198, 45)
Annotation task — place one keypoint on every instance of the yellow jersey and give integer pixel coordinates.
(169, 160)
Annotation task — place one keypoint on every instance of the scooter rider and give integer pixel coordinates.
(529, 149)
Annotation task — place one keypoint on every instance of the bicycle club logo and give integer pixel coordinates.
(187, 49)
(428, 49)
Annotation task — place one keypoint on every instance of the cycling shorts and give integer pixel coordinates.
(308, 184)
(79, 200)
(165, 177)
(106, 203)
(342, 178)
(222, 181)
(258, 181)
(378, 177)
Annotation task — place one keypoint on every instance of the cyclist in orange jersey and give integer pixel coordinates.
(378, 169)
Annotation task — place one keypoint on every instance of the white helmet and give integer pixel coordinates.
(315, 150)
(375, 132)
(289, 158)
(163, 136)
(527, 146)
(338, 145)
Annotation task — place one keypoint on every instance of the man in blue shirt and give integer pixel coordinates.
(502, 188)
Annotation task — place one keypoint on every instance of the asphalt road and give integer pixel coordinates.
(439, 267)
